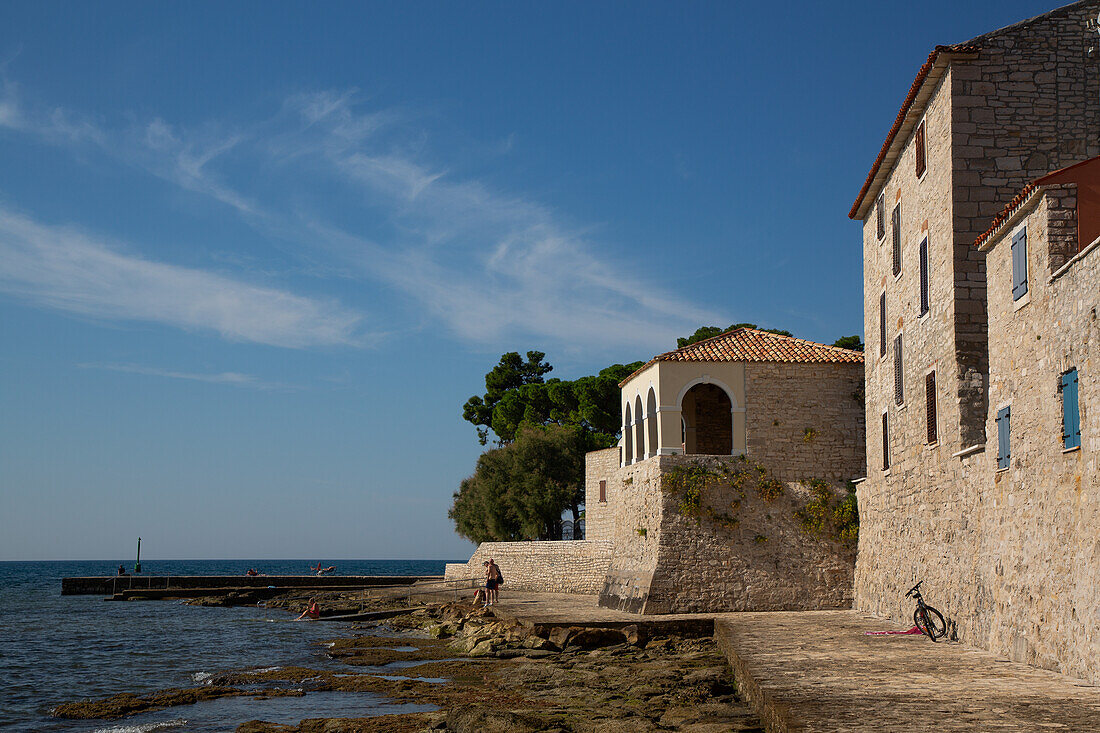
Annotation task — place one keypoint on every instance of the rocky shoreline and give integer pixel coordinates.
(484, 674)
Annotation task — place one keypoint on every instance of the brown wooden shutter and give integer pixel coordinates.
(899, 390)
(930, 405)
(919, 144)
(885, 443)
(896, 225)
(603, 491)
(881, 215)
(882, 324)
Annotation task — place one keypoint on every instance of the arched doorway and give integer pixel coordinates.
(628, 438)
(651, 422)
(639, 430)
(707, 414)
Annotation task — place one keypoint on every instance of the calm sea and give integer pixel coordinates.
(56, 648)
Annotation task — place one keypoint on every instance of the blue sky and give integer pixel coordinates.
(254, 257)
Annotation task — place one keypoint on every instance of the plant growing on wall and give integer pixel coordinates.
(826, 515)
(808, 435)
(691, 482)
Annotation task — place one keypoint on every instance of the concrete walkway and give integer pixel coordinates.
(818, 671)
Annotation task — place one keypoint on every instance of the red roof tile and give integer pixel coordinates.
(750, 344)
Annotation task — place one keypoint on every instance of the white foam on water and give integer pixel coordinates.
(202, 677)
(144, 728)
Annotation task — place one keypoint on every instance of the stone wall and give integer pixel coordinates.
(599, 465)
(1042, 513)
(577, 566)
(806, 420)
(671, 563)
(1023, 107)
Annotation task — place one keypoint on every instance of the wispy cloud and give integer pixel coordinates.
(487, 264)
(234, 379)
(62, 268)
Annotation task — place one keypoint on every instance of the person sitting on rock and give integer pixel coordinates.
(313, 611)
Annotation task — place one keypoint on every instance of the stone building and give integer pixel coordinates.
(981, 120)
(771, 425)
(748, 400)
(1041, 514)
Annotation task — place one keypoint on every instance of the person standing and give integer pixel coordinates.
(493, 579)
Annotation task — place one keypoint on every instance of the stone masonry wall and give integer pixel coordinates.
(599, 465)
(577, 566)
(806, 420)
(1041, 551)
(666, 562)
(1024, 106)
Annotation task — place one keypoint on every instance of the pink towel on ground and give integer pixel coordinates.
(913, 630)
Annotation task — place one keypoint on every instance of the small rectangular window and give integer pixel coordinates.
(882, 324)
(924, 299)
(930, 406)
(881, 216)
(1004, 416)
(899, 389)
(603, 492)
(1019, 265)
(895, 223)
(919, 144)
(885, 442)
(1071, 411)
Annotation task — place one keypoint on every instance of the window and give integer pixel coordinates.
(1071, 414)
(899, 389)
(930, 406)
(603, 492)
(885, 442)
(882, 324)
(1003, 452)
(895, 223)
(1019, 264)
(918, 143)
(881, 215)
(924, 299)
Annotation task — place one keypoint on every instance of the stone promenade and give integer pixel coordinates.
(818, 671)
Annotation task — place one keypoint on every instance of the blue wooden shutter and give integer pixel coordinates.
(1071, 418)
(924, 276)
(1003, 444)
(1019, 265)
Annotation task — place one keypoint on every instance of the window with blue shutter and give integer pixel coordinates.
(1003, 444)
(1019, 265)
(924, 299)
(1071, 416)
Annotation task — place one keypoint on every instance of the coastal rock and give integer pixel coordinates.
(595, 638)
(489, 720)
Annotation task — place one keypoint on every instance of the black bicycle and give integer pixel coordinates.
(927, 619)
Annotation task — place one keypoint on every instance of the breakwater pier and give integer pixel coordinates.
(109, 585)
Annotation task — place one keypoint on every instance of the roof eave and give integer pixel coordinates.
(912, 109)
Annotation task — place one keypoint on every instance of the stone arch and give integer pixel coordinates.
(639, 430)
(708, 380)
(628, 437)
(651, 422)
(707, 410)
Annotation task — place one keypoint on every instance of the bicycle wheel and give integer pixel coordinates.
(930, 621)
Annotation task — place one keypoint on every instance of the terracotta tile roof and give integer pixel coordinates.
(906, 106)
(750, 344)
(1083, 172)
(1006, 213)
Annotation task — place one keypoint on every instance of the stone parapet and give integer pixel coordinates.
(577, 566)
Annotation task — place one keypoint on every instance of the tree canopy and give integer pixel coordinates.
(519, 491)
(516, 394)
(707, 332)
(855, 343)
